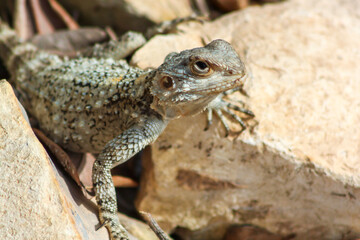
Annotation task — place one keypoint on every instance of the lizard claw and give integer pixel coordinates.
(101, 225)
(116, 230)
(219, 106)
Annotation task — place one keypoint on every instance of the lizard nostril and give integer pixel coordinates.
(167, 82)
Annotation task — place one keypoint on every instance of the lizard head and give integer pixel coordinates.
(188, 81)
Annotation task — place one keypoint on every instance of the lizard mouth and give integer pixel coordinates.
(230, 83)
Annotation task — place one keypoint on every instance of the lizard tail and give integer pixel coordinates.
(20, 57)
(13, 51)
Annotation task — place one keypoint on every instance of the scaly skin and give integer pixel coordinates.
(105, 106)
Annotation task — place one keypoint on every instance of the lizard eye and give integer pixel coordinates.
(200, 67)
(167, 82)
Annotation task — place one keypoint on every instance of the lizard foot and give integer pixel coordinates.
(219, 106)
(112, 223)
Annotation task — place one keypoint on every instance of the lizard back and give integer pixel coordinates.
(76, 100)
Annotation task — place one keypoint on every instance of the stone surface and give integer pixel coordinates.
(298, 171)
(135, 15)
(246, 232)
(31, 204)
(37, 201)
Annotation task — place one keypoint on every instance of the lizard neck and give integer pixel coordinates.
(181, 109)
(142, 86)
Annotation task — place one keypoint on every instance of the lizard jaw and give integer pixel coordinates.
(199, 99)
(233, 82)
(181, 109)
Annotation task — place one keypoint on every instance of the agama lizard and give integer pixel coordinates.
(101, 105)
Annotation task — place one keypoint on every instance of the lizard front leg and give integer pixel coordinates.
(117, 151)
(116, 49)
(220, 106)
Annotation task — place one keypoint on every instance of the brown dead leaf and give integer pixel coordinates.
(85, 173)
(69, 161)
(62, 13)
(62, 157)
(231, 5)
(120, 181)
(40, 16)
(68, 42)
(43, 16)
(23, 23)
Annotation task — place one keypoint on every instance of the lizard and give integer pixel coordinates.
(105, 106)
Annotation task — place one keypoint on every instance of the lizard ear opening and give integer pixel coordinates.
(167, 83)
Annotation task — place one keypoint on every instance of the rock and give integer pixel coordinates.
(152, 55)
(138, 229)
(135, 15)
(298, 171)
(32, 206)
(237, 232)
(37, 200)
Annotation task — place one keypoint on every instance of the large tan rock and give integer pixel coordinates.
(298, 171)
(31, 206)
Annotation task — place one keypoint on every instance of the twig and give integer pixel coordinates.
(154, 226)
